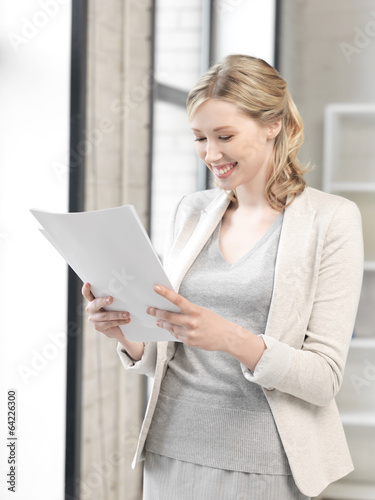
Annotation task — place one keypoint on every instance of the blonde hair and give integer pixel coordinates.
(261, 93)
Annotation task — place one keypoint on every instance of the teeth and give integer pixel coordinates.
(224, 170)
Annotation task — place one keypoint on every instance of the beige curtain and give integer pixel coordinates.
(116, 149)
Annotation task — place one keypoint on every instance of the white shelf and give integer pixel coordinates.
(350, 108)
(369, 265)
(362, 343)
(346, 490)
(333, 114)
(363, 419)
(355, 181)
(351, 187)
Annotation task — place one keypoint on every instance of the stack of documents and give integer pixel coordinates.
(111, 250)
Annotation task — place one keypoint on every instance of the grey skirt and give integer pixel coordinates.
(169, 479)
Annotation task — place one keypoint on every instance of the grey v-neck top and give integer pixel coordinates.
(207, 412)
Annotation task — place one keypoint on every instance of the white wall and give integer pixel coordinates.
(34, 144)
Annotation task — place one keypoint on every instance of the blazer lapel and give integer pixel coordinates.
(292, 252)
(209, 219)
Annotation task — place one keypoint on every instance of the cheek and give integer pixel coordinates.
(253, 145)
(247, 146)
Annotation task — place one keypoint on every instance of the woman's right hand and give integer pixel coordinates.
(108, 322)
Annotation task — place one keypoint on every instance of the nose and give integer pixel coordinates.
(213, 153)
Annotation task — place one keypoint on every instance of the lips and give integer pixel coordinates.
(224, 170)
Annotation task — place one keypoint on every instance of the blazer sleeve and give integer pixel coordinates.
(314, 373)
(146, 365)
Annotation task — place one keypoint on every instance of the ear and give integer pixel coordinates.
(274, 128)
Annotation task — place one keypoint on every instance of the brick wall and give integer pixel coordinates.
(177, 63)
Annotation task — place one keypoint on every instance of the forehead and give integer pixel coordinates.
(215, 113)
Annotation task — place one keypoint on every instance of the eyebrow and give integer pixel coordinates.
(217, 129)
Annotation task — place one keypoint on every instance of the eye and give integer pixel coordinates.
(225, 137)
(199, 139)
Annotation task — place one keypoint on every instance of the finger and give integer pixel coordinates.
(86, 292)
(171, 328)
(109, 316)
(172, 296)
(103, 326)
(99, 303)
(176, 331)
(170, 317)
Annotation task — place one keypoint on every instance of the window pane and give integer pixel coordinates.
(175, 166)
(178, 42)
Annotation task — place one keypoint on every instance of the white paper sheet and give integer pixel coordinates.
(111, 250)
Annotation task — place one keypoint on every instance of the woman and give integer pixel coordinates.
(269, 276)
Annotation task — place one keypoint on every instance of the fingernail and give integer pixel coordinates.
(157, 288)
(108, 300)
(125, 315)
(158, 323)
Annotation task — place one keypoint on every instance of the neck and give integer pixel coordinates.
(254, 199)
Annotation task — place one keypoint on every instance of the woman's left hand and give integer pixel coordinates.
(194, 326)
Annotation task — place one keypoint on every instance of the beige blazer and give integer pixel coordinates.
(317, 284)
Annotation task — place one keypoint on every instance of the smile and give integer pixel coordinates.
(225, 170)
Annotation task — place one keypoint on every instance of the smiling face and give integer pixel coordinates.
(236, 148)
